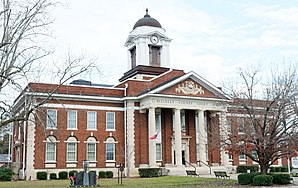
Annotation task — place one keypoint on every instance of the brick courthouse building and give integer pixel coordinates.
(109, 125)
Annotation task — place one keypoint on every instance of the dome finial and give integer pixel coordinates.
(146, 11)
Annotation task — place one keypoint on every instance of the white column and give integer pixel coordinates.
(202, 136)
(30, 146)
(130, 137)
(152, 143)
(223, 135)
(178, 151)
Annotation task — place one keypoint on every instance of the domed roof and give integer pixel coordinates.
(147, 21)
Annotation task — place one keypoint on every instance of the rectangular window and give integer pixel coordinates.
(158, 152)
(110, 121)
(91, 151)
(240, 122)
(91, 120)
(182, 121)
(230, 156)
(154, 56)
(229, 126)
(242, 157)
(72, 119)
(71, 151)
(133, 57)
(51, 119)
(110, 152)
(50, 151)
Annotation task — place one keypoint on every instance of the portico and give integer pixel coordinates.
(188, 125)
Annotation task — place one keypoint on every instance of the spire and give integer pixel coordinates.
(146, 15)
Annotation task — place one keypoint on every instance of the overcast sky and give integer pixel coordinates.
(212, 38)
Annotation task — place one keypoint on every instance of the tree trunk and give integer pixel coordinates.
(264, 168)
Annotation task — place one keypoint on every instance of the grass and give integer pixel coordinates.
(160, 182)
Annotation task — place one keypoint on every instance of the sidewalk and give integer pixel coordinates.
(234, 177)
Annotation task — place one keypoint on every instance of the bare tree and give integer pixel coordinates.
(270, 116)
(23, 26)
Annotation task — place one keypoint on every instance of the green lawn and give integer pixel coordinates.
(160, 182)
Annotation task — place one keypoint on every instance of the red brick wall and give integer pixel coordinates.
(81, 134)
(213, 139)
(191, 131)
(167, 132)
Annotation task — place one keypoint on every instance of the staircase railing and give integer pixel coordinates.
(191, 166)
(205, 165)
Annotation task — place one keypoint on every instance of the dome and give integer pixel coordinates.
(147, 21)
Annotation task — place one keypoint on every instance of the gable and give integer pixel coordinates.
(190, 85)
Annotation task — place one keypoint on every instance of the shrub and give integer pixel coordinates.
(41, 175)
(63, 175)
(72, 172)
(284, 169)
(272, 169)
(102, 174)
(109, 174)
(246, 178)
(281, 179)
(5, 174)
(53, 176)
(149, 172)
(262, 180)
(244, 168)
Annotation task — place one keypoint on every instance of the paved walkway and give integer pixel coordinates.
(234, 176)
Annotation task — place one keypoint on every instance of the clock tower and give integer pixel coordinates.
(147, 44)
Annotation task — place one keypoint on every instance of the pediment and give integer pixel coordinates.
(190, 85)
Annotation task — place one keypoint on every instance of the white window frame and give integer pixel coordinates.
(113, 152)
(110, 140)
(47, 152)
(75, 151)
(159, 158)
(51, 122)
(88, 121)
(242, 157)
(114, 117)
(229, 126)
(94, 151)
(241, 128)
(68, 120)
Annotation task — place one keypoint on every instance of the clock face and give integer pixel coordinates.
(154, 39)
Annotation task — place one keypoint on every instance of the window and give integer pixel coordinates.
(240, 122)
(110, 148)
(72, 119)
(51, 149)
(242, 157)
(229, 126)
(154, 56)
(254, 154)
(91, 120)
(110, 152)
(91, 151)
(51, 119)
(133, 57)
(182, 121)
(158, 152)
(110, 121)
(71, 151)
(230, 156)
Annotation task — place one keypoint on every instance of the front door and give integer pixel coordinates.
(183, 157)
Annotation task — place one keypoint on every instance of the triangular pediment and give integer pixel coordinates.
(190, 85)
(131, 38)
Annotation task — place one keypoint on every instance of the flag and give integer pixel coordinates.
(154, 136)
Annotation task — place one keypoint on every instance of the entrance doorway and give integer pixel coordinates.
(183, 157)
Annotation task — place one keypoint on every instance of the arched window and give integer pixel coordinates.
(51, 149)
(110, 148)
(71, 150)
(91, 149)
